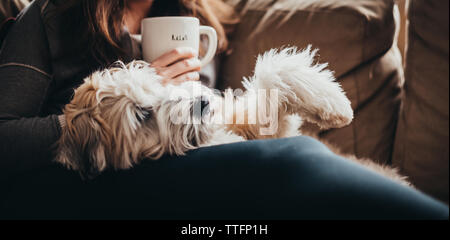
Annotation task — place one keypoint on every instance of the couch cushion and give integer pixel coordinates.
(421, 149)
(357, 39)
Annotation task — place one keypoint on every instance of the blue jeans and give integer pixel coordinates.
(294, 178)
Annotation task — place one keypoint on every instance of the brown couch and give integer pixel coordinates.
(422, 140)
(359, 40)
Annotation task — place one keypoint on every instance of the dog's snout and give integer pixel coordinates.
(202, 104)
(143, 114)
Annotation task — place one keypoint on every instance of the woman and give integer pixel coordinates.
(55, 44)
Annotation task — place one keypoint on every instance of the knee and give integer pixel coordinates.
(295, 148)
(303, 144)
(291, 154)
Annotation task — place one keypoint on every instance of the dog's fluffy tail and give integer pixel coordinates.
(304, 87)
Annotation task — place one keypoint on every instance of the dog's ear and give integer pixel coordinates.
(85, 140)
(83, 144)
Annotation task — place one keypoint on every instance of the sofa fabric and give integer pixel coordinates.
(422, 144)
(358, 39)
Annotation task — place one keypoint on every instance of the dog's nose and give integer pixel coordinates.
(204, 105)
(203, 102)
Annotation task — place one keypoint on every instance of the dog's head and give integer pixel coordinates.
(124, 114)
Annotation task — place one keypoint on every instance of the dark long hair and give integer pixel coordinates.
(103, 21)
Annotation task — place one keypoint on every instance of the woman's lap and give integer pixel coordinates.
(295, 178)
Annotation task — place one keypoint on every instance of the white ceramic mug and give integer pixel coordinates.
(163, 34)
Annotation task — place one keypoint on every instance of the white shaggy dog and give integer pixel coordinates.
(122, 115)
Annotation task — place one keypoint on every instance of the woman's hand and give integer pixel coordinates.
(178, 65)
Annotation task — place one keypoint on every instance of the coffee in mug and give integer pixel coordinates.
(163, 34)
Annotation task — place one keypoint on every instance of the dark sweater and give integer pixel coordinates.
(42, 61)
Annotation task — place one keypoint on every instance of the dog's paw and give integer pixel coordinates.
(328, 121)
(336, 113)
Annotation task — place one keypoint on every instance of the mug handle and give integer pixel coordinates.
(212, 48)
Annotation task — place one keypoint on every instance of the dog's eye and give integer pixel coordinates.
(143, 114)
(146, 114)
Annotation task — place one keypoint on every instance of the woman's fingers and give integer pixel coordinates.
(190, 76)
(174, 56)
(178, 65)
(180, 68)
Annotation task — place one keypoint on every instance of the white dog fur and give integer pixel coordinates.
(124, 114)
